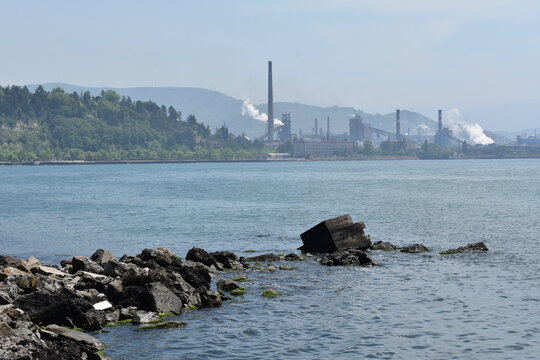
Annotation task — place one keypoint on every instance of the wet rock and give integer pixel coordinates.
(264, 257)
(414, 248)
(195, 275)
(227, 285)
(333, 234)
(92, 320)
(161, 256)
(270, 293)
(383, 245)
(101, 256)
(164, 325)
(478, 246)
(144, 317)
(62, 307)
(209, 298)
(81, 263)
(347, 257)
(112, 316)
(76, 336)
(159, 298)
(228, 259)
(284, 267)
(293, 257)
(200, 255)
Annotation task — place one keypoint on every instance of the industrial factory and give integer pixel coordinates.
(323, 143)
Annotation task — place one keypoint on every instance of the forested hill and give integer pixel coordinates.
(56, 125)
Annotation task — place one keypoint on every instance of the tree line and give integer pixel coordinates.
(56, 125)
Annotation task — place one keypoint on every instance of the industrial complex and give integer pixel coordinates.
(322, 143)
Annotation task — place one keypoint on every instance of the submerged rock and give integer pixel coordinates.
(385, 246)
(227, 285)
(478, 246)
(164, 325)
(347, 257)
(264, 257)
(414, 249)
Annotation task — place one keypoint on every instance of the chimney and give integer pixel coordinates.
(270, 104)
(398, 126)
(315, 127)
(440, 121)
(328, 128)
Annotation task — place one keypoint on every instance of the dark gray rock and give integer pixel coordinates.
(293, 257)
(479, 246)
(264, 257)
(414, 249)
(195, 275)
(93, 320)
(162, 300)
(229, 260)
(227, 285)
(158, 257)
(101, 256)
(200, 255)
(76, 336)
(383, 245)
(209, 298)
(81, 263)
(347, 257)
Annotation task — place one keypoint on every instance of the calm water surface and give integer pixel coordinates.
(416, 306)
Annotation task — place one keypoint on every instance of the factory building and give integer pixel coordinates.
(306, 148)
(443, 135)
(358, 131)
(284, 131)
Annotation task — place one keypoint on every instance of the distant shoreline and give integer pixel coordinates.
(113, 162)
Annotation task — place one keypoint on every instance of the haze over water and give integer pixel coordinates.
(414, 306)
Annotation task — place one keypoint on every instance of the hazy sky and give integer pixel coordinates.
(375, 55)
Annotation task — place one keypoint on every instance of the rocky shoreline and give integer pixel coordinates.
(45, 309)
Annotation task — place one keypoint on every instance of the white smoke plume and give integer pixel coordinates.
(249, 109)
(423, 126)
(473, 133)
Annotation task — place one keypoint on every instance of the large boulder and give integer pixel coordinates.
(81, 263)
(77, 336)
(101, 257)
(478, 246)
(348, 257)
(200, 255)
(8, 261)
(160, 299)
(195, 274)
(227, 285)
(160, 256)
(228, 260)
(209, 298)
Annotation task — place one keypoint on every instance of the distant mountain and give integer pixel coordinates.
(215, 109)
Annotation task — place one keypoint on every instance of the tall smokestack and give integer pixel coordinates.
(270, 104)
(440, 121)
(315, 127)
(328, 128)
(398, 126)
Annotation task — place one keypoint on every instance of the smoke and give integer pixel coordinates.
(423, 126)
(473, 133)
(249, 109)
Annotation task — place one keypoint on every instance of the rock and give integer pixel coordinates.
(159, 298)
(31, 263)
(127, 312)
(270, 293)
(92, 320)
(76, 336)
(479, 246)
(347, 257)
(144, 317)
(8, 271)
(85, 264)
(101, 256)
(264, 257)
(333, 234)
(62, 307)
(209, 298)
(284, 267)
(414, 248)
(164, 325)
(385, 246)
(227, 285)
(6, 330)
(195, 275)
(103, 305)
(160, 256)
(200, 255)
(48, 270)
(293, 257)
(8, 261)
(112, 316)
(229, 260)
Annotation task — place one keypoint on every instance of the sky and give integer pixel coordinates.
(374, 55)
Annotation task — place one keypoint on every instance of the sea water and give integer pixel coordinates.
(432, 306)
